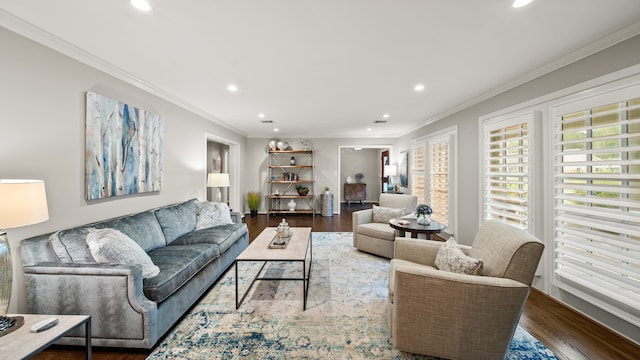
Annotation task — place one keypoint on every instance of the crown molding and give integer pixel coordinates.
(604, 42)
(45, 38)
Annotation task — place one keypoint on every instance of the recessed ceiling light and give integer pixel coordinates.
(261, 115)
(232, 88)
(368, 129)
(419, 87)
(276, 129)
(386, 116)
(521, 3)
(142, 5)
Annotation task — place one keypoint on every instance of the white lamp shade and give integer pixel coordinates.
(390, 170)
(218, 180)
(22, 202)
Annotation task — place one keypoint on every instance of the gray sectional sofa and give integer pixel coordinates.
(62, 276)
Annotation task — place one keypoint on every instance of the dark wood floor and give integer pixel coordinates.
(568, 334)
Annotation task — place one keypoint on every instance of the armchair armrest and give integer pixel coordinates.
(361, 217)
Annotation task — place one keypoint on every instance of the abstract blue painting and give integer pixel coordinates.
(123, 148)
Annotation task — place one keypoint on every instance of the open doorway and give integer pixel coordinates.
(222, 157)
(360, 164)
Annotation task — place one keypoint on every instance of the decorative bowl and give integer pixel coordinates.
(273, 144)
(303, 191)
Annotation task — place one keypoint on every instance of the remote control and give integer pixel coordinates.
(44, 325)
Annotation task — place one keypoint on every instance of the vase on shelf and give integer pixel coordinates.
(423, 219)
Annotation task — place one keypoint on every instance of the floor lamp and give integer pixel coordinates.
(218, 180)
(22, 202)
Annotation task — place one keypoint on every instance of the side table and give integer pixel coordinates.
(326, 204)
(22, 343)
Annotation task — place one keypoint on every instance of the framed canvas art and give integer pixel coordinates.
(403, 169)
(123, 151)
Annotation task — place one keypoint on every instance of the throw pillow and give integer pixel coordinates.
(212, 214)
(384, 214)
(451, 258)
(113, 247)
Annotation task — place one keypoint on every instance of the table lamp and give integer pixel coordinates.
(391, 171)
(22, 202)
(218, 180)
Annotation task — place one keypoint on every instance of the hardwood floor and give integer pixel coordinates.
(567, 333)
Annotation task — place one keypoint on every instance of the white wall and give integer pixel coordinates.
(617, 57)
(42, 120)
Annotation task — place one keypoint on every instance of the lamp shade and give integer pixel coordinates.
(390, 170)
(218, 180)
(22, 202)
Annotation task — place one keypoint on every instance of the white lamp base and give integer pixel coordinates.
(219, 196)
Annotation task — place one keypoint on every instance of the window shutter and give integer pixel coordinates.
(418, 173)
(597, 199)
(506, 170)
(439, 181)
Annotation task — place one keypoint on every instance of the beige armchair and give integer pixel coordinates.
(459, 316)
(378, 237)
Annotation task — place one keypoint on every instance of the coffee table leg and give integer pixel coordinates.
(236, 264)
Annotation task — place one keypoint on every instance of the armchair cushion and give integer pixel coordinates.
(384, 214)
(451, 258)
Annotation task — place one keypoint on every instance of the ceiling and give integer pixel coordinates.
(327, 68)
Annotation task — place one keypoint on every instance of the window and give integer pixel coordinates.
(439, 180)
(433, 175)
(507, 169)
(417, 173)
(597, 199)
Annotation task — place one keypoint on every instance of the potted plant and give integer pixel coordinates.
(253, 200)
(327, 190)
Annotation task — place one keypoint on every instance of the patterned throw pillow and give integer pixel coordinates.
(384, 214)
(212, 214)
(451, 258)
(113, 247)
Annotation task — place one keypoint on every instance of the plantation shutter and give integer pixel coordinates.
(506, 170)
(439, 181)
(597, 198)
(418, 173)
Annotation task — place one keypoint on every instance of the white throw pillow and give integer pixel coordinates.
(451, 258)
(384, 214)
(113, 247)
(212, 214)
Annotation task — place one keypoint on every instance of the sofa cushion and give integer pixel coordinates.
(451, 258)
(384, 214)
(143, 228)
(178, 264)
(377, 230)
(113, 247)
(73, 242)
(177, 220)
(212, 214)
(224, 236)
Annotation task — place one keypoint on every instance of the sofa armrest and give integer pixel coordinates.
(111, 294)
(236, 217)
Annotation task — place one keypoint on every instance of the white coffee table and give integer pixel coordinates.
(299, 250)
(22, 343)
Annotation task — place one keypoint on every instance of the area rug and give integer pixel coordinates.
(345, 316)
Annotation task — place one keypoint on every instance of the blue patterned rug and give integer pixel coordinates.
(345, 316)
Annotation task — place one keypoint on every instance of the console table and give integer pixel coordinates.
(355, 192)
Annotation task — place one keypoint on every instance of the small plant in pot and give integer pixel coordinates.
(253, 200)
(327, 190)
